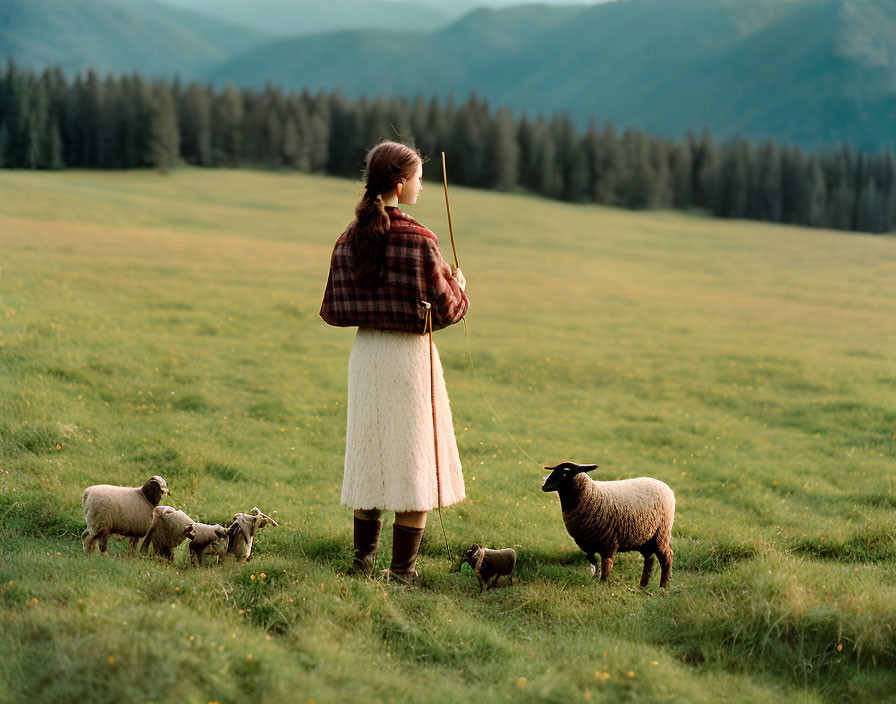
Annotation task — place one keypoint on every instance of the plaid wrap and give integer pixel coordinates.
(415, 272)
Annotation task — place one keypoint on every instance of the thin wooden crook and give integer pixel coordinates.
(448, 208)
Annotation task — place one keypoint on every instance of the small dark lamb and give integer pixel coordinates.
(205, 538)
(615, 516)
(489, 565)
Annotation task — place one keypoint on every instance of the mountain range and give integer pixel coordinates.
(808, 72)
(118, 36)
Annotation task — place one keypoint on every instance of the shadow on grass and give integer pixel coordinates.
(36, 438)
(41, 516)
(869, 546)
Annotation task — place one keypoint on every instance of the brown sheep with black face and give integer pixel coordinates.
(617, 516)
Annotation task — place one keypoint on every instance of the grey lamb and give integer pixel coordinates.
(205, 538)
(615, 516)
(119, 510)
(166, 531)
(489, 565)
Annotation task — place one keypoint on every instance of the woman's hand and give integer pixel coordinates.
(461, 281)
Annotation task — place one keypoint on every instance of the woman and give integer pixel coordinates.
(386, 273)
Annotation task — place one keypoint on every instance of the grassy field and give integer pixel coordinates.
(168, 324)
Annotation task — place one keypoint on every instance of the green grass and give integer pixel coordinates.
(169, 325)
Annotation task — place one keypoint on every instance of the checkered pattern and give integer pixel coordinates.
(415, 272)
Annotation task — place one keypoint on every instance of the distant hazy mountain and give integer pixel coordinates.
(812, 72)
(303, 17)
(117, 36)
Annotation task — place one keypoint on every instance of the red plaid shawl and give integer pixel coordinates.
(415, 272)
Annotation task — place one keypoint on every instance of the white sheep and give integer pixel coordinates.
(615, 516)
(241, 533)
(166, 531)
(118, 510)
(205, 538)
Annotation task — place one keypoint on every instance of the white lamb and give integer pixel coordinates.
(166, 531)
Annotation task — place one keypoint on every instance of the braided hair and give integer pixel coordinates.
(388, 164)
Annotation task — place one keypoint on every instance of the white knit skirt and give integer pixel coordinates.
(389, 453)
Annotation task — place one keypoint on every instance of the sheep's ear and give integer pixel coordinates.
(573, 466)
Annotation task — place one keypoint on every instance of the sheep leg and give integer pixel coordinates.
(87, 541)
(665, 566)
(132, 545)
(103, 539)
(648, 569)
(593, 561)
(606, 565)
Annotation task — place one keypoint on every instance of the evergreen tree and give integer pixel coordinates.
(734, 187)
(195, 125)
(502, 152)
(424, 137)
(163, 140)
(545, 178)
(318, 139)
(346, 150)
(768, 196)
(525, 138)
(637, 185)
(660, 184)
(681, 165)
(705, 181)
(55, 90)
(578, 185)
(467, 147)
(564, 138)
(608, 167)
(227, 127)
(4, 145)
(812, 213)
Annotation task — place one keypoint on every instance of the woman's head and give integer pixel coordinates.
(393, 172)
(393, 167)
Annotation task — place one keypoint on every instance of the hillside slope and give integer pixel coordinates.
(813, 72)
(168, 325)
(288, 17)
(117, 36)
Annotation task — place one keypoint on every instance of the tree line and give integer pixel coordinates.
(121, 122)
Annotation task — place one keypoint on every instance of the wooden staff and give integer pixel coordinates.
(448, 208)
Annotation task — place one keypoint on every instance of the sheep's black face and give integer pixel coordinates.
(562, 473)
(160, 484)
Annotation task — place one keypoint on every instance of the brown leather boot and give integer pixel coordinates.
(367, 540)
(405, 545)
